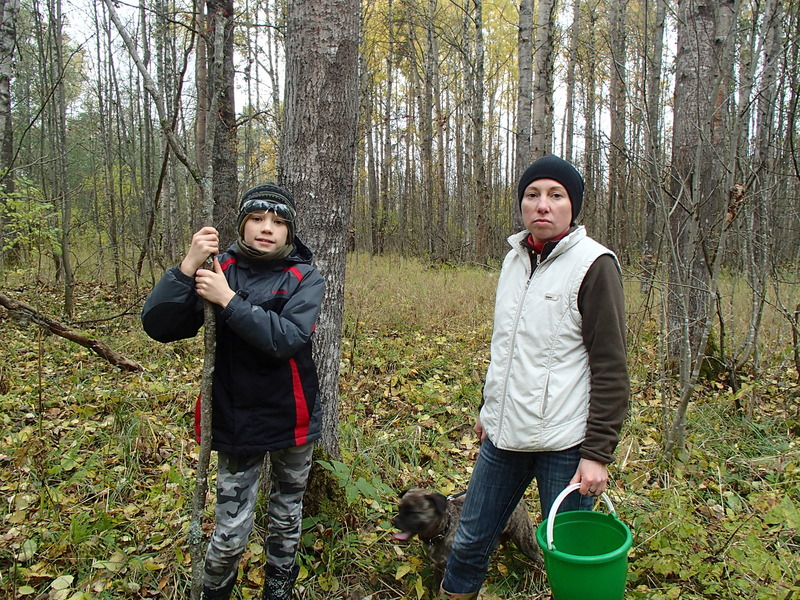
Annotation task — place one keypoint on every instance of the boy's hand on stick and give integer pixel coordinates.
(212, 285)
(205, 243)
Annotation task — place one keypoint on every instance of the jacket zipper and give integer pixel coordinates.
(517, 317)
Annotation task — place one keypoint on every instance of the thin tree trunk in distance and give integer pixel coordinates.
(107, 188)
(522, 157)
(544, 56)
(59, 147)
(9, 10)
(525, 87)
(653, 151)
(387, 163)
(482, 195)
(592, 213)
(572, 60)
(616, 153)
(426, 231)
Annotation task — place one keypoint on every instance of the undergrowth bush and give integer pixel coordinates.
(96, 466)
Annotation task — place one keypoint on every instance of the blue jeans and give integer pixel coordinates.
(498, 483)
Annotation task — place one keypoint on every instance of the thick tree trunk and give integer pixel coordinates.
(319, 149)
(225, 150)
(697, 219)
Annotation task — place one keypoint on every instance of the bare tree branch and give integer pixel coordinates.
(96, 346)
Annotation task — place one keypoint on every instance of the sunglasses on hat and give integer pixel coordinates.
(284, 211)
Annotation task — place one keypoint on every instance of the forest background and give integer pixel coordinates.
(126, 126)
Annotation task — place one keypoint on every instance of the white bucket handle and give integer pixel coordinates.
(557, 502)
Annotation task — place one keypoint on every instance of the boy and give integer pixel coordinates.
(267, 298)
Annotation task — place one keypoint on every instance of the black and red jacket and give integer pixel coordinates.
(265, 388)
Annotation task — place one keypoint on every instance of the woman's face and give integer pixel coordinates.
(546, 209)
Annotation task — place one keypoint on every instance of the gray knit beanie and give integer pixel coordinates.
(267, 197)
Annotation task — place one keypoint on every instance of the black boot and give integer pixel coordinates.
(223, 593)
(279, 584)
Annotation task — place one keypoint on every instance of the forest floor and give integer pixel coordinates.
(97, 465)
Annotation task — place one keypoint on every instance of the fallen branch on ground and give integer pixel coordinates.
(96, 346)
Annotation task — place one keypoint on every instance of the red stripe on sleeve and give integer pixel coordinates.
(301, 407)
(296, 272)
(231, 261)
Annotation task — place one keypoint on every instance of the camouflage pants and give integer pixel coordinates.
(237, 491)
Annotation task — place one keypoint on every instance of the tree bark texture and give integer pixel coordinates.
(698, 158)
(9, 10)
(525, 86)
(318, 150)
(653, 145)
(225, 149)
(617, 190)
(544, 57)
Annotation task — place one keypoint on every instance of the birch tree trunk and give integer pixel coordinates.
(478, 122)
(542, 129)
(9, 10)
(319, 149)
(617, 152)
(572, 61)
(525, 87)
(653, 141)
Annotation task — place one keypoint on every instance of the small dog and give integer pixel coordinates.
(434, 517)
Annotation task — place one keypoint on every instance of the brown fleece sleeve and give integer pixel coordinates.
(602, 304)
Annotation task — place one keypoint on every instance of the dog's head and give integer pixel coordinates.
(420, 512)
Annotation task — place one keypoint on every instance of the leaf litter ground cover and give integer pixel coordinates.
(96, 466)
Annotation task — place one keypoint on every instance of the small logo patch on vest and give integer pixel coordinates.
(552, 297)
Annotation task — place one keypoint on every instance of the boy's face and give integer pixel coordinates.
(546, 209)
(265, 231)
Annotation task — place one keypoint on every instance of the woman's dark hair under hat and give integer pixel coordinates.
(555, 167)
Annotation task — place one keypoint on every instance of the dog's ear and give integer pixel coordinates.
(403, 493)
(439, 501)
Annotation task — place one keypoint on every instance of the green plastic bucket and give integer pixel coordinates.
(585, 552)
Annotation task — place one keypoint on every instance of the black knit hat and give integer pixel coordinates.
(554, 167)
(267, 197)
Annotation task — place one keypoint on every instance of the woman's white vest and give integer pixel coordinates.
(536, 396)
